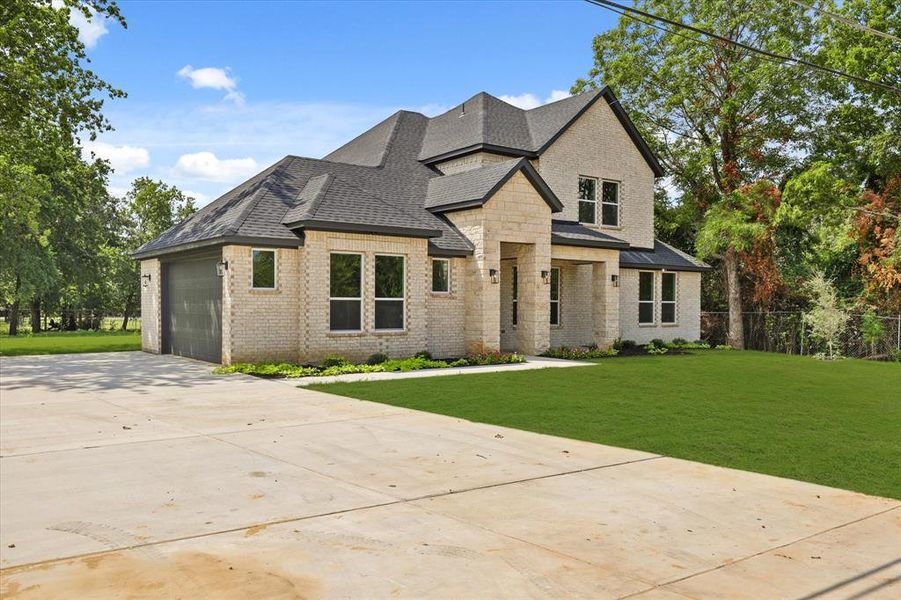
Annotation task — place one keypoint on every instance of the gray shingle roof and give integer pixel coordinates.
(663, 256)
(571, 233)
(474, 187)
(378, 182)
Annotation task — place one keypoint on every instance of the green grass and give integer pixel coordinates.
(70, 342)
(837, 424)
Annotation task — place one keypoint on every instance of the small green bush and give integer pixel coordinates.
(377, 358)
(621, 344)
(493, 358)
(654, 348)
(423, 354)
(657, 342)
(577, 353)
(679, 342)
(333, 360)
(895, 356)
(268, 370)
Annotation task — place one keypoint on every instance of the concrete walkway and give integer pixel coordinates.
(130, 475)
(532, 362)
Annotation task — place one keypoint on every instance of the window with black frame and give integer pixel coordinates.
(346, 292)
(668, 298)
(646, 298)
(389, 292)
(263, 276)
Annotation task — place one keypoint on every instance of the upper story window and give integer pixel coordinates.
(346, 292)
(610, 203)
(389, 292)
(263, 277)
(588, 200)
(440, 275)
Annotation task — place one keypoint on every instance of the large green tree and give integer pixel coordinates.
(49, 101)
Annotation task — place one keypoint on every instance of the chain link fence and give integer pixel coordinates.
(786, 332)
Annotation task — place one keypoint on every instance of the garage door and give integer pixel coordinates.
(193, 304)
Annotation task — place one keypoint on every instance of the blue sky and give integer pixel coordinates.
(217, 91)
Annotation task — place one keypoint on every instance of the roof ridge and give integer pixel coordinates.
(316, 201)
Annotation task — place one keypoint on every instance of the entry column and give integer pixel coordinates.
(605, 303)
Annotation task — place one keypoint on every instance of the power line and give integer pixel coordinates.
(607, 4)
(847, 21)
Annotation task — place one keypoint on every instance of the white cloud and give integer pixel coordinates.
(90, 30)
(213, 78)
(527, 101)
(207, 166)
(200, 198)
(123, 159)
(117, 191)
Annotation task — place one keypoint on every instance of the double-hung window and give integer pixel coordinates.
(515, 295)
(668, 298)
(555, 296)
(346, 292)
(263, 276)
(646, 297)
(588, 200)
(440, 275)
(389, 292)
(610, 203)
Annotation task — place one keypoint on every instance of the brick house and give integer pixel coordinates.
(487, 227)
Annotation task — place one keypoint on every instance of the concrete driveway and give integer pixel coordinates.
(130, 476)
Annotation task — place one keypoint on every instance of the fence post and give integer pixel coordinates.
(802, 335)
(898, 337)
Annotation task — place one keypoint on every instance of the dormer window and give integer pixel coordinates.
(588, 200)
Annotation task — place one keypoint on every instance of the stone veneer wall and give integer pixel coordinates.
(469, 162)
(446, 318)
(688, 308)
(590, 304)
(576, 306)
(261, 325)
(515, 214)
(316, 339)
(597, 145)
(151, 307)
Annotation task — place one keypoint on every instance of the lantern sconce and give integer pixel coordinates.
(546, 277)
(615, 280)
(492, 274)
(145, 280)
(221, 268)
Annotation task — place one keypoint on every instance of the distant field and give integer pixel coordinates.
(69, 342)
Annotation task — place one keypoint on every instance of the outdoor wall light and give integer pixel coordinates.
(492, 274)
(221, 268)
(546, 277)
(615, 280)
(145, 279)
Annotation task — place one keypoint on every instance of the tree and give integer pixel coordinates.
(875, 229)
(719, 117)
(149, 208)
(49, 100)
(826, 317)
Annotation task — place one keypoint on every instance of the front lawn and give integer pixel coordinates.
(837, 424)
(70, 342)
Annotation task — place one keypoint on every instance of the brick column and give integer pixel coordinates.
(483, 299)
(151, 306)
(605, 303)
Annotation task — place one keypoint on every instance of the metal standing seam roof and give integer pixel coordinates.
(663, 256)
(379, 182)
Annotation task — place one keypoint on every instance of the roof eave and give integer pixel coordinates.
(394, 230)
(558, 240)
(216, 241)
(660, 267)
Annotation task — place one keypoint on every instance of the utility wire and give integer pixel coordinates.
(782, 58)
(847, 21)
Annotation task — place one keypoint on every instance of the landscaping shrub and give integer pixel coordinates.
(654, 348)
(657, 342)
(621, 344)
(493, 358)
(679, 342)
(338, 365)
(423, 354)
(333, 360)
(377, 358)
(577, 353)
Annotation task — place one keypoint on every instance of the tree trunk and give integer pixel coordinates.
(733, 294)
(14, 309)
(36, 315)
(127, 313)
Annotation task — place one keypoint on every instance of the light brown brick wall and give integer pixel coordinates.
(261, 325)
(469, 162)
(318, 341)
(446, 313)
(151, 315)
(596, 145)
(688, 308)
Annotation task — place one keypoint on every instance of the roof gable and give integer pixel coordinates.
(473, 188)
